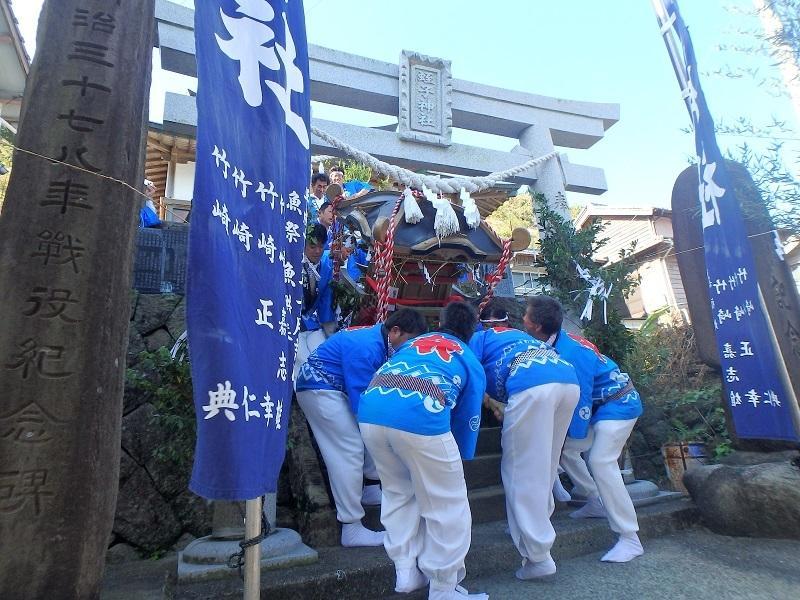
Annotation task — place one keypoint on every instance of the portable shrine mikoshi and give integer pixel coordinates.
(417, 261)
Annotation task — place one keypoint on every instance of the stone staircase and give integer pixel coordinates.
(487, 500)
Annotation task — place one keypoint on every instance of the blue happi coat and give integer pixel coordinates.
(345, 362)
(354, 186)
(321, 311)
(445, 361)
(599, 378)
(498, 348)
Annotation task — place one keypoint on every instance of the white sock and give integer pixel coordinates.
(593, 509)
(408, 580)
(371, 496)
(534, 570)
(559, 493)
(627, 548)
(459, 593)
(355, 534)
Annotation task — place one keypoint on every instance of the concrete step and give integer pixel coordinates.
(488, 441)
(482, 471)
(487, 504)
(367, 573)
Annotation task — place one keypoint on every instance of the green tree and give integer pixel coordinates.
(562, 248)
(515, 212)
(771, 148)
(6, 159)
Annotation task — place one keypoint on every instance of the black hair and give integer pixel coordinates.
(319, 177)
(458, 319)
(316, 233)
(324, 206)
(547, 312)
(494, 311)
(408, 320)
(336, 168)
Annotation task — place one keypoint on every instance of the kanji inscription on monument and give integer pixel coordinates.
(66, 238)
(425, 99)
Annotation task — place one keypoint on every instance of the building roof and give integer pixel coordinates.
(14, 65)
(603, 210)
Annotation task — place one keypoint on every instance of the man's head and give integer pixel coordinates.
(458, 319)
(326, 214)
(149, 188)
(337, 175)
(318, 184)
(543, 317)
(316, 236)
(404, 324)
(494, 315)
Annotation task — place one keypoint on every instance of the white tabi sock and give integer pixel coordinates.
(593, 509)
(459, 593)
(355, 534)
(371, 496)
(535, 570)
(626, 549)
(559, 493)
(408, 580)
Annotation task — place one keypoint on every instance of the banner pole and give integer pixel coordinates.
(252, 554)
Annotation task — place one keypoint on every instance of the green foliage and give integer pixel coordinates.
(167, 385)
(6, 159)
(515, 212)
(561, 246)
(356, 170)
(667, 371)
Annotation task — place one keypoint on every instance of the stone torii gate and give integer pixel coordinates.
(428, 103)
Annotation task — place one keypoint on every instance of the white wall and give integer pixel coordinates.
(182, 183)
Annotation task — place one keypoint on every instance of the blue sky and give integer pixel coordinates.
(603, 51)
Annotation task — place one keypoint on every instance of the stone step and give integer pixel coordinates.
(482, 471)
(487, 504)
(488, 441)
(367, 573)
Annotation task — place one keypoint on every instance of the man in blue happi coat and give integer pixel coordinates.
(540, 391)
(317, 312)
(604, 418)
(329, 385)
(419, 418)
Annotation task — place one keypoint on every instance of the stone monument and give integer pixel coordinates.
(779, 292)
(66, 234)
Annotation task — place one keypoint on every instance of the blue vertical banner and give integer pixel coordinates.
(759, 402)
(247, 235)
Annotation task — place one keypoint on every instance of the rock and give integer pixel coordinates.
(757, 501)
(741, 458)
(143, 517)
(120, 553)
(193, 512)
(176, 324)
(140, 439)
(183, 541)
(160, 338)
(153, 311)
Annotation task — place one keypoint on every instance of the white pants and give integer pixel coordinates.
(425, 509)
(534, 427)
(604, 444)
(339, 440)
(307, 342)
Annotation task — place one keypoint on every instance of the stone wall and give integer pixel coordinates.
(155, 508)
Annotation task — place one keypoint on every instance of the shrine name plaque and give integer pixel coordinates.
(426, 90)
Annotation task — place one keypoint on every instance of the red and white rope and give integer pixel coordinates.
(383, 264)
(494, 278)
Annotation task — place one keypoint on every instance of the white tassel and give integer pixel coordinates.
(321, 168)
(471, 213)
(411, 209)
(446, 221)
